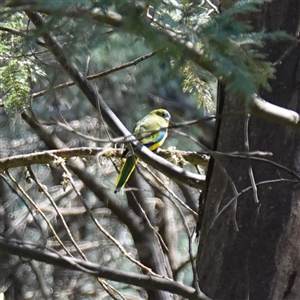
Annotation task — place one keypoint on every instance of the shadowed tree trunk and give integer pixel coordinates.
(262, 260)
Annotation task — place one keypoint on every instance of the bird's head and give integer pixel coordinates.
(163, 113)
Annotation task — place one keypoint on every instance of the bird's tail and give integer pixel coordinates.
(125, 172)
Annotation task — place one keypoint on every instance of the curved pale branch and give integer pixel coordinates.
(266, 110)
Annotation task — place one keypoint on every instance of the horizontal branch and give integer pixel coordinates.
(72, 11)
(46, 157)
(13, 31)
(148, 282)
(19, 33)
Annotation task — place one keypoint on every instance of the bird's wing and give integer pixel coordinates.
(150, 130)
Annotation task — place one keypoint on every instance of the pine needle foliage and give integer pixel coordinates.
(230, 49)
(185, 18)
(226, 47)
(235, 51)
(17, 69)
(193, 84)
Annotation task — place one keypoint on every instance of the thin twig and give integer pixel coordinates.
(161, 183)
(40, 212)
(61, 162)
(5, 206)
(160, 241)
(223, 170)
(293, 45)
(235, 192)
(20, 33)
(247, 189)
(41, 186)
(96, 76)
(189, 235)
(250, 169)
(107, 287)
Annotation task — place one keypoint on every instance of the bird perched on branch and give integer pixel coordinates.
(151, 131)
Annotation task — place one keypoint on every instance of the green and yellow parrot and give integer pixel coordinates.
(151, 131)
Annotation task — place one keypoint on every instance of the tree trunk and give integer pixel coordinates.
(262, 259)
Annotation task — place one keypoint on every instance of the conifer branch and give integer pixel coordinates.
(258, 106)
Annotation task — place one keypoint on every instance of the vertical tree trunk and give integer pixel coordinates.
(262, 260)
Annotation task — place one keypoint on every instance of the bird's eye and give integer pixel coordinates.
(163, 114)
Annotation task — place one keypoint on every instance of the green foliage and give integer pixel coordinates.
(193, 84)
(230, 49)
(16, 69)
(14, 83)
(183, 18)
(235, 51)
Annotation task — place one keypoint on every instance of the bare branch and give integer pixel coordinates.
(261, 108)
(96, 76)
(163, 186)
(19, 248)
(19, 33)
(250, 169)
(100, 227)
(45, 191)
(247, 189)
(51, 228)
(46, 157)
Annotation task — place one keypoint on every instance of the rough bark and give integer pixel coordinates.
(262, 259)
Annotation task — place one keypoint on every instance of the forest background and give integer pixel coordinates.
(73, 73)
